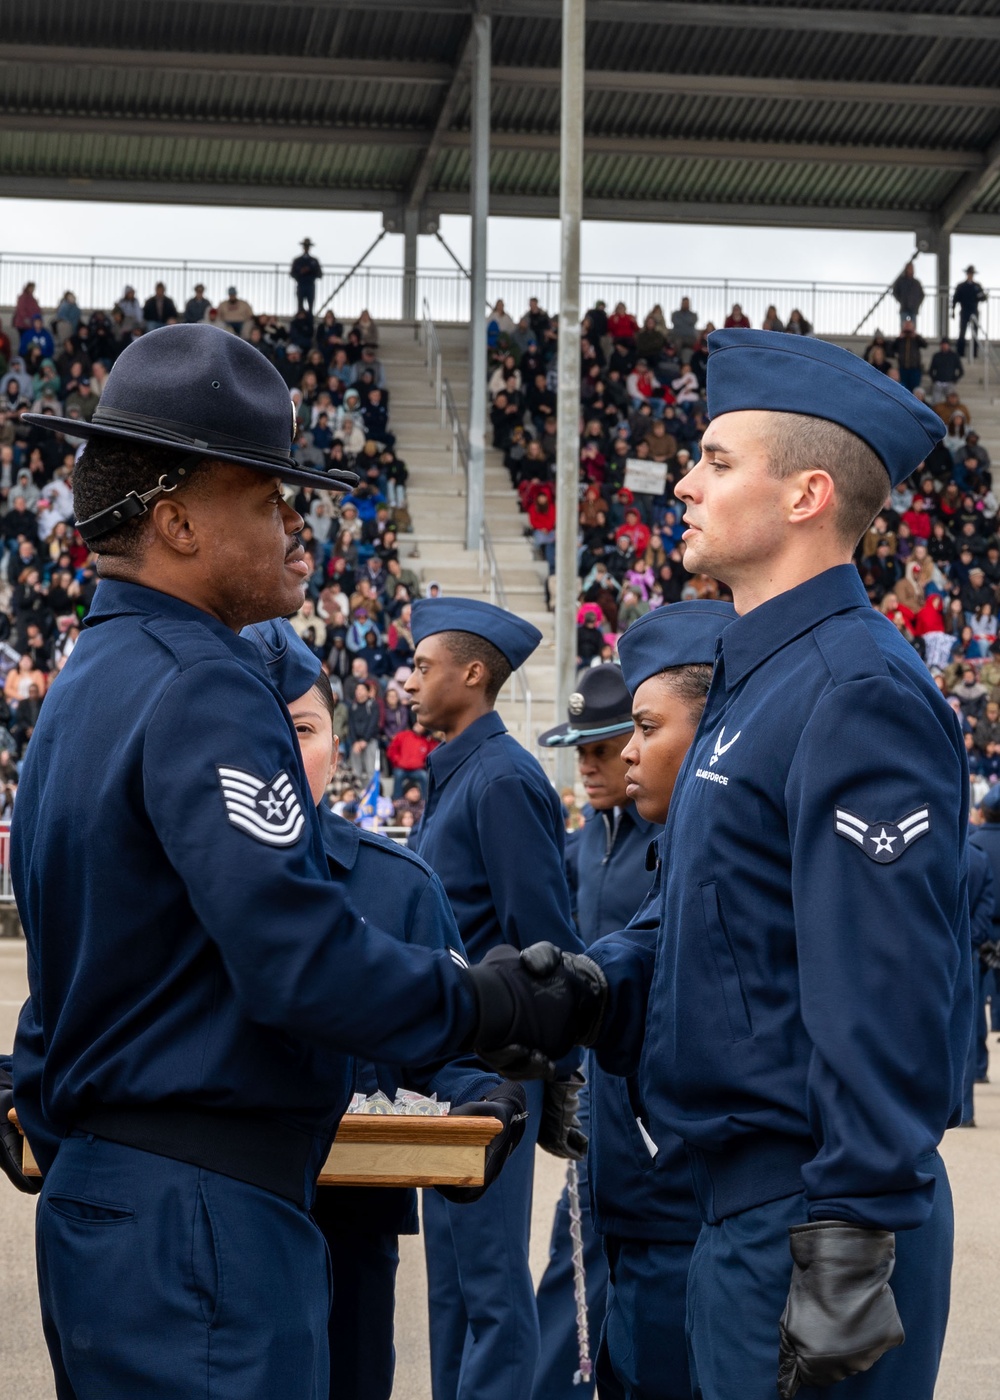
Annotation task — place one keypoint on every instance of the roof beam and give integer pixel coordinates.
(68, 124)
(701, 14)
(770, 89)
(293, 196)
(441, 74)
(968, 189)
(685, 148)
(253, 65)
(692, 212)
(445, 115)
(540, 206)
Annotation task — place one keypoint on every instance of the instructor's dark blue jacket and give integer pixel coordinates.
(186, 942)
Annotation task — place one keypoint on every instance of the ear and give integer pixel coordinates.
(174, 526)
(475, 675)
(813, 495)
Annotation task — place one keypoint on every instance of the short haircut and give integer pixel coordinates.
(690, 685)
(797, 442)
(107, 471)
(466, 647)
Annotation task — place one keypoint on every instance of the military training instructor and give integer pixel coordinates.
(198, 979)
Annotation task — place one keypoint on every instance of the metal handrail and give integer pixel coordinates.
(445, 400)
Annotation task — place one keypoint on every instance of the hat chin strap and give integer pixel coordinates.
(135, 503)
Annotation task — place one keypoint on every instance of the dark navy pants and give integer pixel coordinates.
(979, 1055)
(643, 1350)
(362, 1355)
(163, 1281)
(481, 1300)
(738, 1285)
(559, 1358)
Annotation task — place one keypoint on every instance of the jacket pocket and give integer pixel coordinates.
(726, 964)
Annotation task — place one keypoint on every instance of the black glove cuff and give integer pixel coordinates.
(495, 1005)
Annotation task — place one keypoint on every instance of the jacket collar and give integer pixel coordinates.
(116, 598)
(448, 758)
(757, 636)
(341, 838)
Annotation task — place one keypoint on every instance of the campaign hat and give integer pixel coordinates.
(291, 667)
(778, 373)
(205, 393)
(510, 634)
(599, 708)
(676, 634)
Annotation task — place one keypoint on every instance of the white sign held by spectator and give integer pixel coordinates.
(648, 478)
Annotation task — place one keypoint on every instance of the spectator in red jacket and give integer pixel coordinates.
(634, 531)
(918, 520)
(622, 325)
(737, 319)
(407, 752)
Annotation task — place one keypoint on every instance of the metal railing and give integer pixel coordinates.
(488, 565)
(832, 308)
(6, 889)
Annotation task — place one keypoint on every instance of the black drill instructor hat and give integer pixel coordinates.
(205, 393)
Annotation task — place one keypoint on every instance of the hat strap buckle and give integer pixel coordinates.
(134, 504)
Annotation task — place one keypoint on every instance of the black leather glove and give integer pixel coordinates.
(559, 1131)
(840, 1316)
(534, 1006)
(989, 956)
(11, 1143)
(508, 1103)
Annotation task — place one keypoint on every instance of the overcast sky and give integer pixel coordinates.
(524, 245)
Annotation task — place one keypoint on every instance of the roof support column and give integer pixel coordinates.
(942, 251)
(568, 402)
(479, 199)
(411, 221)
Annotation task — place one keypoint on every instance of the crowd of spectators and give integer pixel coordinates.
(356, 615)
(930, 562)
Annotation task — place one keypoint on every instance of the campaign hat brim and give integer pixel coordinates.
(297, 476)
(571, 736)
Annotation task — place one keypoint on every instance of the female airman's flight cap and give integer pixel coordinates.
(599, 708)
(677, 634)
(792, 374)
(509, 633)
(290, 666)
(203, 392)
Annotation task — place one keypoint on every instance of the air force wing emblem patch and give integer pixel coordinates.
(883, 842)
(270, 812)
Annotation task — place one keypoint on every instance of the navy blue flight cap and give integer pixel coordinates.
(205, 393)
(599, 708)
(291, 667)
(793, 374)
(677, 634)
(509, 633)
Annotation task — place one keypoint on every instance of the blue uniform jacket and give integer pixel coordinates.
(402, 895)
(982, 894)
(492, 830)
(810, 1007)
(986, 838)
(632, 1194)
(186, 942)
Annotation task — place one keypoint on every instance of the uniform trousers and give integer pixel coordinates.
(362, 1354)
(160, 1280)
(643, 1350)
(559, 1358)
(481, 1300)
(738, 1285)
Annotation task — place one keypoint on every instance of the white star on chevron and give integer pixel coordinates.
(884, 842)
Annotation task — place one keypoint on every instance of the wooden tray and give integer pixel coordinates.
(382, 1150)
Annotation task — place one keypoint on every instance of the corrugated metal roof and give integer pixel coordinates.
(115, 90)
